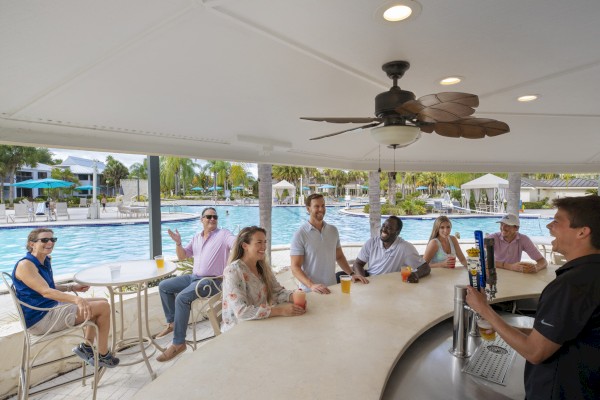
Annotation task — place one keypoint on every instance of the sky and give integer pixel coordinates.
(126, 159)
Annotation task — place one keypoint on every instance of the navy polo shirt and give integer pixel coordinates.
(569, 314)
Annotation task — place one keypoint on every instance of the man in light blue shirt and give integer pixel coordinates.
(388, 253)
(315, 249)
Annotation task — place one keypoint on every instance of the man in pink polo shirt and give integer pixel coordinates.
(210, 249)
(509, 244)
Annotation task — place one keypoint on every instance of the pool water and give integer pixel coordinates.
(83, 246)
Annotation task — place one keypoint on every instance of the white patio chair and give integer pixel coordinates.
(205, 307)
(3, 214)
(62, 210)
(20, 212)
(83, 202)
(46, 341)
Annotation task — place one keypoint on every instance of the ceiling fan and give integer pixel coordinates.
(403, 116)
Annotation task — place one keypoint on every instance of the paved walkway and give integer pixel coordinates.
(121, 382)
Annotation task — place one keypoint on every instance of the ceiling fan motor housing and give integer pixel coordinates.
(386, 103)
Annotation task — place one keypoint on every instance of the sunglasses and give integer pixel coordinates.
(215, 217)
(46, 240)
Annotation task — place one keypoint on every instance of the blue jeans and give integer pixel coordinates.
(176, 296)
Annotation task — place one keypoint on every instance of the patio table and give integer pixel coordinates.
(131, 278)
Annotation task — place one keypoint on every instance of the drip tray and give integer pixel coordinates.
(491, 361)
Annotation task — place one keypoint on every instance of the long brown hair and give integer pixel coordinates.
(33, 235)
(435, 232)
(263, 267)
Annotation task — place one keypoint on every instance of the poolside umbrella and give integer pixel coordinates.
(47, 183)
(326, 186)
(364, 187)
(87, 187)
(422, 188)
(197, 189)
(212, 189)
(238, 188)
(305, 188)
(451, 188)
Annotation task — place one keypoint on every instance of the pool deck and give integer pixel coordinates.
(78, 215)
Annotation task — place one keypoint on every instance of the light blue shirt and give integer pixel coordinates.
(384, 261)
(319, 251)
(441, 255)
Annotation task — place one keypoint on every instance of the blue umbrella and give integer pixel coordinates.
(212, 189)
(364, 187)
(197, 189)
(305, 188)
(451, 188)
(87, 187)
(47, 183)
(326, 186)
(238, 188)
(422, 188)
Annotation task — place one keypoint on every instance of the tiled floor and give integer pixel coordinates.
(121, 382)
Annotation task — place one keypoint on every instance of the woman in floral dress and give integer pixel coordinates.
(250, 290)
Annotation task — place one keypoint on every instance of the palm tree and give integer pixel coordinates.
(265, 200)
(289, 173)
(13, 158)
(176, 173)
(114, 172)
(64, 174)
(337, 177)
(139, 170)
(220, 170)
(238, 175)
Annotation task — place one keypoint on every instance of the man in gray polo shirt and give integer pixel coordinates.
(388, 253)
(315, 248)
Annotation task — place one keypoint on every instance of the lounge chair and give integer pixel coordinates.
(61, 211)
(3, 212)
(83, 202)
(21, 212)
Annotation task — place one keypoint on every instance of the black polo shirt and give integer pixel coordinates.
(569, 314)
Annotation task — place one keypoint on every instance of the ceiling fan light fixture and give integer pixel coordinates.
(528, 97)
(451, 80)
(398, 10)
(395, 135)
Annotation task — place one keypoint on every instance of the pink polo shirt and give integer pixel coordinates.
(511, 252)
(210, 255)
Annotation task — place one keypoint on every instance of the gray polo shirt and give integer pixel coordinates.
(319, 251)
(383, 261)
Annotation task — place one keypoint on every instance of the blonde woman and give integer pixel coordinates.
(250, 290)
(442, 245)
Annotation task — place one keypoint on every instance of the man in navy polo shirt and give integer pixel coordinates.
(563, 348)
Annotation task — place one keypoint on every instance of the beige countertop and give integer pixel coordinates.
(344, 347)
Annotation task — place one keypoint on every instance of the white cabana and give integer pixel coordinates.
(494, 188)
(278, 189)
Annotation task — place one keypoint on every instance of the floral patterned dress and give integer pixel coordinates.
(245, 295)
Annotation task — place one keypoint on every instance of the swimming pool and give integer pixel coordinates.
(82, 246)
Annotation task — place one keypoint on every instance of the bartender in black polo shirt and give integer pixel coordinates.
(563, 349)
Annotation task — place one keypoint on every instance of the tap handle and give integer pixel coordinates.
(491, 263)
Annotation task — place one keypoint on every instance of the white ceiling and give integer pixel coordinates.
(229, 79)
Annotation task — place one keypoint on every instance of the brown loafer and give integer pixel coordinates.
(165, 332)
(171, 353)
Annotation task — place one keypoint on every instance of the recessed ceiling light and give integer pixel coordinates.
(451, 80)
(397, 13)
(529, 97)
(398, 10)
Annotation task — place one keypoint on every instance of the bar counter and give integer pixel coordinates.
(344, 347)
